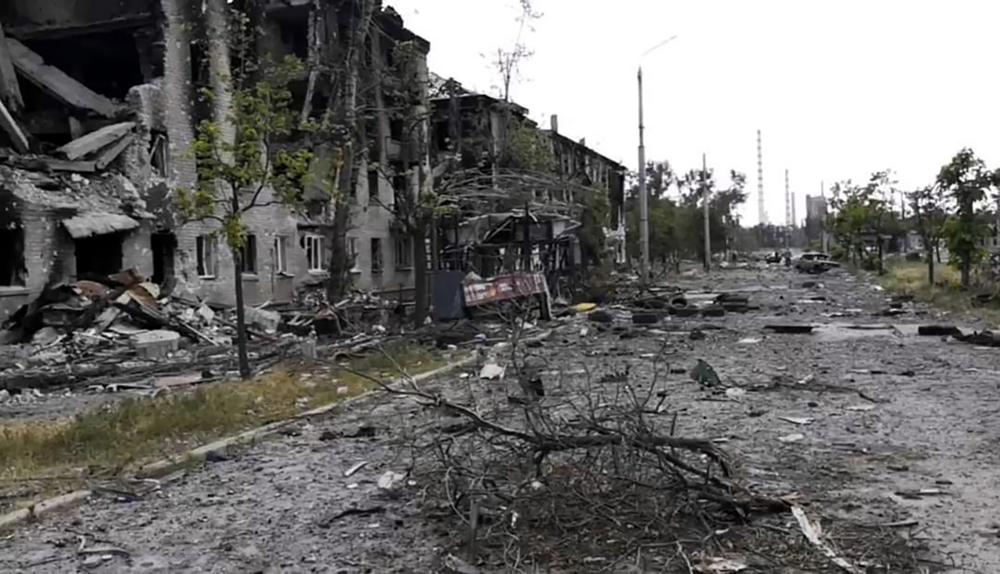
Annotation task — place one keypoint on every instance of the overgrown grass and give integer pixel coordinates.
(910, 278)
(131, 432)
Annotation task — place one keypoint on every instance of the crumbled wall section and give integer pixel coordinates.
(177, 91)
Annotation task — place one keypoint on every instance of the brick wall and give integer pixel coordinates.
(50, 256)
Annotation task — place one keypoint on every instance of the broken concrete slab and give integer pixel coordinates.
(111, 153)
(13, 130)
(156, 344)
(263, 319)
(56, 83)
(10, 90)
(96, 140)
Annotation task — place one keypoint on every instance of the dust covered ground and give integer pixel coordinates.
(892, 438)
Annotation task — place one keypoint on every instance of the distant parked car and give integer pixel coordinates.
(773, 258)
(815, 262)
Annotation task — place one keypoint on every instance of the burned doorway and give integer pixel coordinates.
(99, 255)
(163, 245)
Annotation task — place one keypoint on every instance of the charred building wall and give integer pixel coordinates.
(142, 62)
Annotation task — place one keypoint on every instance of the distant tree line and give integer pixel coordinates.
(952, 212)
(676, 220)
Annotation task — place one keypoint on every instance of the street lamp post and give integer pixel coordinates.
(643, 195)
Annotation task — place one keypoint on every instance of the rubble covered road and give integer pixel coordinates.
(860, 421)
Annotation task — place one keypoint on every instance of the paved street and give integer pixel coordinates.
(886, 414)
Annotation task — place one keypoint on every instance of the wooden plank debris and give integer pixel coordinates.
(55, 82)
(96, 140)
(63, 165)
(9, 125)
(10, 90)
(112, 152)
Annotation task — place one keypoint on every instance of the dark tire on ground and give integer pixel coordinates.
(645, 318)
(684, 311)
(601, 317)
(714, 311)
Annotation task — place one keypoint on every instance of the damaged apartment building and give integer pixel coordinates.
(100, 106)
(527, 209)
(99, 111)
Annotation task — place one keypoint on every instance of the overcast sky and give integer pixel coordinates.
(838, 88)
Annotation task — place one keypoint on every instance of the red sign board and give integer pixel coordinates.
(505, 288)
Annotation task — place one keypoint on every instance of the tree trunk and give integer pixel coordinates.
(241, 321)
(966, 271)
(420, 293)
(360, 12)
(930, 265)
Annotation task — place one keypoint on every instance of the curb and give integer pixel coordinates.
(170, 465)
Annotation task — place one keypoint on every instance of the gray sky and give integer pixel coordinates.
(838, 88)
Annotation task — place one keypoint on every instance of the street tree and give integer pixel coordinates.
(508, 60)
(879, 191)
(930, 216)
(246, 162)
(967, 181)
(848, 220)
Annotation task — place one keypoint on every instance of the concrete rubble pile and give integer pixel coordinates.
(122, 325)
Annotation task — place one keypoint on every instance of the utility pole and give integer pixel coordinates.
(706, 197)
(643, 197)
(761, 214)
(823, 222)
(788, 214)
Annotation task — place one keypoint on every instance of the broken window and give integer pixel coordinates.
(99, 256)
(352, 252)
(281, 255)
(248, 255)
(163, 245)
(12, 268)
(404, 253)
(376, 254)
(158, 153)
(314, 253)
(208, 264)
(295, 37)
(398, 186)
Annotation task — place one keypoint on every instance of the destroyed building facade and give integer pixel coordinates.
(100, 110)
(532, 189)
(100, 107)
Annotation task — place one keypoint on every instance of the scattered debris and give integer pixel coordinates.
(801, 421)
(861, 408)
(794, 437)
(735, 393)
(719, 566)
(491, 371)
(703, 374)
(351, 471)
(390, 480)
(328, 522)
(789, 329)
(814, 534)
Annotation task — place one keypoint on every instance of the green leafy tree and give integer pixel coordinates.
(880, 189)
(854, 219)
(593, 220)
(527, 149)
(967, 181)
(245, 163)
(930, 216)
